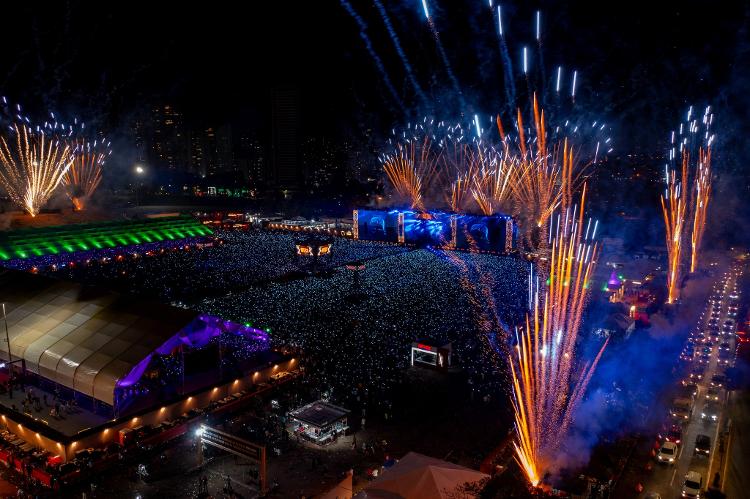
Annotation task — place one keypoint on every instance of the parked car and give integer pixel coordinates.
(674, 435)
(718, 380)
(667, 453)
(710, 412)
(681, 409)
(687, 390)
(702, 445)
(725, 358)
(692, 485)
(713, 393)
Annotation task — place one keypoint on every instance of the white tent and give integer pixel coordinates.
(417, 476)
(82, 337)
(343, 490)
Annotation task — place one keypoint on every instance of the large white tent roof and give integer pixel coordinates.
(81, 337)
(417, 476)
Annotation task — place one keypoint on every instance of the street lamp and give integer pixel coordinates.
(139, 172)
(10, 357)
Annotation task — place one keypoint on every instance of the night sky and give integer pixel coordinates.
(640, 63)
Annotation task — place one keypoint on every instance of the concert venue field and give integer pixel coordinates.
(358, 327)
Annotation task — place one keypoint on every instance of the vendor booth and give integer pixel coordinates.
(430, 353)
(320, 422)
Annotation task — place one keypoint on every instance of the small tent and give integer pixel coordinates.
(343, 490)
(417, 476)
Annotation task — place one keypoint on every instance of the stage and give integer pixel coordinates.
(495, 233)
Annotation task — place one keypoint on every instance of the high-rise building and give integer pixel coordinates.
(285, 165)
(361, 164)
(250, 157)
(169, 143)
(323, 161)
(139, 139)
(224, 152)
(209, 148)
(197, 153)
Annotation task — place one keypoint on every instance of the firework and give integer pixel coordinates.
(411, 168)
(460, 190)
(85, 173)
(492, 177)
(33, 165)
(548, 382)
(371, 50)
(528, 175)
(689, 157)
(700, 138)
(443, 54)
(400, 51)
(674, 206)
(545, 177)
(701, 197)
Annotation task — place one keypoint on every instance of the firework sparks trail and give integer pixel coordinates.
(540, 52)
(701, 197)
(456, 160)
(698, 148)
(689, 156)
(529, 175)
(400, 51)
(85, 173)
(443, 54)
(411, 168)
(548, 383)
(460, 192)
(510, 86)
(33, 165)
(543, 180)
(491, 186)
(371, 50)
(674, 206)
(531, 172)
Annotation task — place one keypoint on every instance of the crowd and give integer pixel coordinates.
(189, 273)
(358, 347)
(355, 327)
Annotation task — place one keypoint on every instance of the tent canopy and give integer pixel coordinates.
(343, 490)
(81, 337)
(417, 476)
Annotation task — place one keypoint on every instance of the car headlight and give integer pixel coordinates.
(671, 459)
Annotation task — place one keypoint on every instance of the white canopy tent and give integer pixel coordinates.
(83, 338)
(417, 476)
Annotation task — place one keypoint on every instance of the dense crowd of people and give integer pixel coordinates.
(187, 274)
(355, 327)
(357, 330)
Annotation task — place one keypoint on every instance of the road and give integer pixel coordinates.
(667, 480)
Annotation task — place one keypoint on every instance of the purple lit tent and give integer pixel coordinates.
(94, 341)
